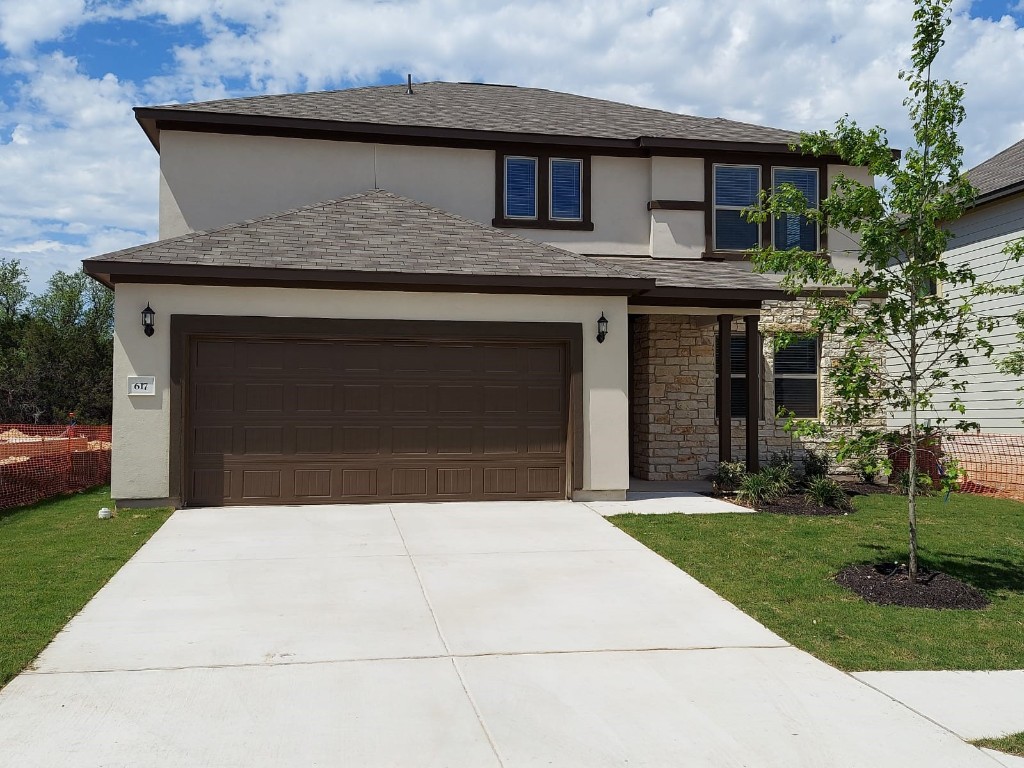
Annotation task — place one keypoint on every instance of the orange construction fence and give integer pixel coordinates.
(991, 464)
(40, 461)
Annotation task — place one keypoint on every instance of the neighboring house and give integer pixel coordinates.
(401, 293)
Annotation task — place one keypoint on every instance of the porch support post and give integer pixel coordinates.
(753, 392)
(724, 394)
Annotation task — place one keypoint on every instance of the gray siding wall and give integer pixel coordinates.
(979, 238)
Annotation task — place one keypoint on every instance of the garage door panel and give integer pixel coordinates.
(297, 421)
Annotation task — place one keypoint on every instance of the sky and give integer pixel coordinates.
(78, 177)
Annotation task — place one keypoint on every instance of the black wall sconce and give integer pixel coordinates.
(148, 318)
(602, 328)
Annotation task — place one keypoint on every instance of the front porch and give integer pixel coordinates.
(685, 416)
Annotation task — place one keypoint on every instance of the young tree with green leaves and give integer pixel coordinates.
(888, 300)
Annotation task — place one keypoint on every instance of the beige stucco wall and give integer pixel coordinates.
(842, 244)
(619, 189)
(210, 180)
(142, 424)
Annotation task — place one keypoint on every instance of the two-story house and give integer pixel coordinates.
(451, 291)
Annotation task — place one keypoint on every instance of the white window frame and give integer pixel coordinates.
(816, 377)
(551, 188)
(715, 207)
(536, 190)
(817, 187)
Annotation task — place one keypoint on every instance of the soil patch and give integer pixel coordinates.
(795, 504)
(887, 584)
(860, 488)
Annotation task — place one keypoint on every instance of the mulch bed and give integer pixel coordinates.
(795, 504)
(860, 488)
(887, 584)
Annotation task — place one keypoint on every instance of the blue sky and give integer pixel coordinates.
(78, 178)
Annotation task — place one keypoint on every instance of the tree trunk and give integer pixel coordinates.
(912, 467)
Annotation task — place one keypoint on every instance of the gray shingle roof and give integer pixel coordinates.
(371, 232)
(999, 172)
(693, 274)
(493, 108)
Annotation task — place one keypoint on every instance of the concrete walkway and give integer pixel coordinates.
(436, 635)
(664, 498)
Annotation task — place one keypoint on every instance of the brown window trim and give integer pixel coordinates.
(675, 205)
(710, 160)
(543, 220)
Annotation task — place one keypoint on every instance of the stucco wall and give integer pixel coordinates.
(142, 424)
(210, 180)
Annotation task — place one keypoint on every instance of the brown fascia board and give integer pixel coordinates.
(154, 119)
(728, 297)
(112, 272)
(997, 194)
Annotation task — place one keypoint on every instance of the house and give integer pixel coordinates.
(452, 291)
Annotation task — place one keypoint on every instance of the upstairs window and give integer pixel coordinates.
(796, 378)
(796, 231)
(736, 187)
(566, 189)
(542, 191)
(520, 187)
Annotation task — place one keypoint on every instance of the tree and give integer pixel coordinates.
(55, 349)
(887, 301)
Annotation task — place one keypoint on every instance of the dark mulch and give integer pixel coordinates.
(887, 584)
(796, 504)
(860, 488)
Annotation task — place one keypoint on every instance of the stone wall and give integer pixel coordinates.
(674, 432)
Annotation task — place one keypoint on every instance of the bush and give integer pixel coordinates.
(760, 488)
(901, 480)
(728, 476)
(867, 468)
(816, 464)
(781, 459)
(782, 477)
(826, 492)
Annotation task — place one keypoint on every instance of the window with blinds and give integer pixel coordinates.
(738, 377)
(796, 231)
(521, 187)
(796, 378)
(736, 187)
(566, 189)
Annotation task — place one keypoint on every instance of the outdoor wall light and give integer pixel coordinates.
(148, 316)
(602, 328)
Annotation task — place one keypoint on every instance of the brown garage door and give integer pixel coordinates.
(313, 420)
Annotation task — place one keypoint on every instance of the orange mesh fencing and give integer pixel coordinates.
(991, 464)
(40, 461)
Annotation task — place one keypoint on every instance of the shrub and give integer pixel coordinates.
(760, 488)
(728, 476)
(816, 464)
(901, 481)
(867, 468)
(781, 475)
(781, 459)
(826, 492)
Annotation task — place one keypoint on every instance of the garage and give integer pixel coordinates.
(442, 411)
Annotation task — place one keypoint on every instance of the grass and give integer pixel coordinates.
(780, 569)
(54, 556)
(1012, 744)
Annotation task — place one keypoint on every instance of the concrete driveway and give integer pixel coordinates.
(514, 634)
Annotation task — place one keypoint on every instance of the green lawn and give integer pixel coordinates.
(780, 570)
(54, 556)
(1013, 744)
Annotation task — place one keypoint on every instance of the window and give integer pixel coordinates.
(796, 231)
(736, 187)
(566, 189)
(796, 378)
(521, 187)
(737, 376)
(542, 191)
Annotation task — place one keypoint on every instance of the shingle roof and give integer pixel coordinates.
(693, 274)
(370, 232)
(492, 108)
(999, 172)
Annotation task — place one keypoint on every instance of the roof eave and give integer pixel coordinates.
(112, 272)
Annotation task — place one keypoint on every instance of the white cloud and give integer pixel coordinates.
(24, 23)
(74, 156)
